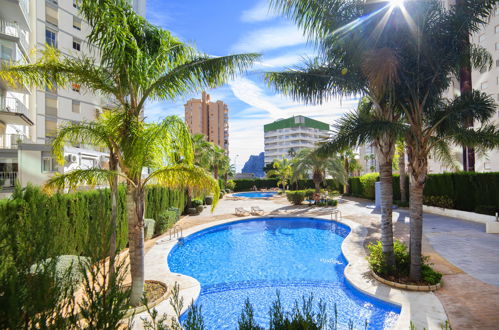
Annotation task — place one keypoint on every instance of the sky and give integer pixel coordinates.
(223, 27)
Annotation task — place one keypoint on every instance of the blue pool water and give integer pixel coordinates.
(255, 194)
(255, 258)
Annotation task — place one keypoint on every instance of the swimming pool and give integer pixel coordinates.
(256, 194)
(255, 258)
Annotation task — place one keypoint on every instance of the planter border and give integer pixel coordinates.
(410, 287)
(143, 308)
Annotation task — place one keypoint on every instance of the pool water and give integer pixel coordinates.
(255, 194)
(256, 258)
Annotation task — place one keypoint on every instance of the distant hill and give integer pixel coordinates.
(255, 165)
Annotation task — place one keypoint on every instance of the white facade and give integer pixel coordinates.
(279, 142)
(29, 118)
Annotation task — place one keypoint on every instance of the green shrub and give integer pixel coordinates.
(149, 228)
(165, 221)
(196, 202)
(487, 209)
(367, 181)
(402, 263)
(429, 275)
(332, 202)
(309, 194)
(439, 201)
(400, 203)
(231, 184)
(377, 262)
(208, 200)
(199, 208)
(295, 197)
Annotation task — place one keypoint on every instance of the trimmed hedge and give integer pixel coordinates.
(248, 184)
(76, 221)
(472, 192)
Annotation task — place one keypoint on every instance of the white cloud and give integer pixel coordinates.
(278, 106)
(261, 12)
(270, 38)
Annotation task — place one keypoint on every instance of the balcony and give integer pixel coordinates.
(8, 179)
(18, 11)
(11, 30)
(12, 141)
(13, 111)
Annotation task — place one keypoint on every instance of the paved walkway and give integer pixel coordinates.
(461, 250)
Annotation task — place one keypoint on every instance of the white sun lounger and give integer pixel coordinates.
(241, 212)
(256, 210)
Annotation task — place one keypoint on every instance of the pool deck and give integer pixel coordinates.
(461, 250)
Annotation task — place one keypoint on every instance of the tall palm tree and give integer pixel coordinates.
(355, 59)
(308, 161)
(137, 62)
(283, 170)
(165, 149)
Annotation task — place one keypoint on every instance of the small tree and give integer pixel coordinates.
(283, 171)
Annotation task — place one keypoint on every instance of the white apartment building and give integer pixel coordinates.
(29, 118)
(292, 134)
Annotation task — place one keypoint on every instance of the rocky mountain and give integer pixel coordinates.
(255, 165)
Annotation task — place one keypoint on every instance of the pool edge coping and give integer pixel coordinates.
(424, 309)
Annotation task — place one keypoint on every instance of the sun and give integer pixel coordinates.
(396, 3)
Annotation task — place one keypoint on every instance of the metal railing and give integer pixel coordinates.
(11, 104)
(8, 179)
(12, 29)
(12, 141)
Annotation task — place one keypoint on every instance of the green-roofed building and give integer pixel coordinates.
(285, 136)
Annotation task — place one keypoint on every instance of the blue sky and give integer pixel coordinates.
(222, 27)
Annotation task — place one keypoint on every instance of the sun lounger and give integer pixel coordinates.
(241, 212)
(256, 210)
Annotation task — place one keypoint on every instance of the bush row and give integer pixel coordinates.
(466, 191)
(248, 184)
(76, 221)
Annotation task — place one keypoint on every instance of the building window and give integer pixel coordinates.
(75, 87)
(7, 50)
(482, 38)
(50, 128)
(51, 38)
(76, 23)
(484, 85)
(49, 164)
(76, 107)
(497, 45)
(51, 15)
(77, 45)
(51, 106)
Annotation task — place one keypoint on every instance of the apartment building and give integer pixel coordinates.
(209, 118)
(291, 135)
(29, 117)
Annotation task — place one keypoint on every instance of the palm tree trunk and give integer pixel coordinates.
(419, 167)
(114, 221)
(386, 181)
(403, 175)
(135, 207)
(416, 214)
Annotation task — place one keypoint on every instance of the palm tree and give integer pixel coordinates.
(429, 53)
(355, 59)
(283, 171)
(308, 161)
(98, 133)
(166, 149)
(138, 62)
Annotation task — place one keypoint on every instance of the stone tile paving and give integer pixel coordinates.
(461, 250)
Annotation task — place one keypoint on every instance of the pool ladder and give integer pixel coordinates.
(176, 231)
(336, 213)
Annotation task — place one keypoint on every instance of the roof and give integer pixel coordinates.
(296, 121)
